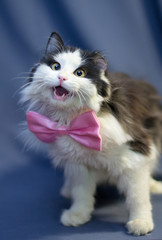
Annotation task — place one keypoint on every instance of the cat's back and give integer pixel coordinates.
(136, 105)
(135, 97)
(131, 87)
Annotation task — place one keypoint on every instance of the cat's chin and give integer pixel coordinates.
(61, 94)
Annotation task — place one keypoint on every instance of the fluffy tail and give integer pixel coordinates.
(161, 127)
(161, 123)
(155, 186)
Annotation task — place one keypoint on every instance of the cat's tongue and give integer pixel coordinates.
(60, 91)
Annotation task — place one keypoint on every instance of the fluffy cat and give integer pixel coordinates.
(69, 81)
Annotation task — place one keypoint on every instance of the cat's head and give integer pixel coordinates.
(68, 78)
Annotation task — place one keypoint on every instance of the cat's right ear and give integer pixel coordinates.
(55, 42)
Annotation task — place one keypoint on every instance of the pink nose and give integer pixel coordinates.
(61, 78)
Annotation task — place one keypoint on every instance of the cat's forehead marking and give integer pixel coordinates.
(69, 58)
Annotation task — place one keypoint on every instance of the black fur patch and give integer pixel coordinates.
(33, 71)
(93, 73)
(93, 67)
(138, 146)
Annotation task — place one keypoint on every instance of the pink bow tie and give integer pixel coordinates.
(84, 129)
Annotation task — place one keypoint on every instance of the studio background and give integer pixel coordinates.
(129, 34)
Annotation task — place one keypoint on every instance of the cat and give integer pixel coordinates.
(68, 82)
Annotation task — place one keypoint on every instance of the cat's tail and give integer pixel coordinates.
(161, 122)
(161, 125)
(158, 115)
(155, 186)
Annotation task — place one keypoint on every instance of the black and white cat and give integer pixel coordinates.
(69, 81)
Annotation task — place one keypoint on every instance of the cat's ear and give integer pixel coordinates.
(100, 61)
(55, 42)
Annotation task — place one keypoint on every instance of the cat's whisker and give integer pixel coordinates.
(81, 103)
(17, 78)
(84, 92)
(34, 104)
(23, 86)
(79, 98)
(82, 95)
(19, 89)
(28, 78)
(20, 77)
(23, 73)
(40, 85)
(37, 78)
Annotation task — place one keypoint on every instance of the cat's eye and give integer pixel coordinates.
(79, 73)
(55, 66)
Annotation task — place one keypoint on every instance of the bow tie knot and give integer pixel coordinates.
(84, 129)
(62, 132)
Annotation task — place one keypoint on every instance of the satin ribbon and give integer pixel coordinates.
(84, 129)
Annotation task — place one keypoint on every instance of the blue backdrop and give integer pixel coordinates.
(129, 32)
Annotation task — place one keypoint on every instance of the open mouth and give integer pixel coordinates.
(60, 93)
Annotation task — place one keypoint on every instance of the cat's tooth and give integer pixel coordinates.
(63, 95)
(55, 91)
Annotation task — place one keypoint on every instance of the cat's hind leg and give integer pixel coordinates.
(136, 186)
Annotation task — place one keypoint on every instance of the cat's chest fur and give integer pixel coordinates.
(114, 140)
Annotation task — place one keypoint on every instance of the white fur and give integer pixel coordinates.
(103, 77)
(69, 62)
(85, 168)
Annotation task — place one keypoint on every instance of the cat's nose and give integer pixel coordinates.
(61, 79)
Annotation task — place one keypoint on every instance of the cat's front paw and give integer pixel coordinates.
(140, 226)
(74, 218)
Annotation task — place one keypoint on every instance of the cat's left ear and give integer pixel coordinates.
(100, 61)
(55, 42)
